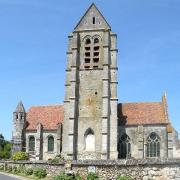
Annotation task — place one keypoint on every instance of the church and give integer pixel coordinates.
(91, 123)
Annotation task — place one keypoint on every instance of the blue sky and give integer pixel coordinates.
(33, 44)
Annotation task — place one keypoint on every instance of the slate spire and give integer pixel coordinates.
(20, 107)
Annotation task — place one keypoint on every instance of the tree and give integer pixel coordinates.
(2, 142)
(5, 148)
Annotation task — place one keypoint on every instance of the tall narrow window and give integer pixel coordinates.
(31, 143)
(124, 147)
(94, 20)
(50, 144)
(153, 145)
(89, 140)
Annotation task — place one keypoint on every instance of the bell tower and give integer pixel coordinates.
(90, 106)
(19, 123)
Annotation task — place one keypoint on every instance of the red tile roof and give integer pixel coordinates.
(128, 113)
(48, 116)
(141, 113)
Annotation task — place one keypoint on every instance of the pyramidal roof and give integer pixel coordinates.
(20, 107)
(92, 20)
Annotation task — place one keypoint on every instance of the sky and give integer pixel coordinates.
(33, 45)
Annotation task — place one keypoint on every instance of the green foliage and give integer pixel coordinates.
(9, 169)
(63, 176)
(5, 148)
(92, 176)
(1, 167)
(40, 173)
(17, 170)
(56, 160)
(18, 156)
(78, 177)
(2, 142)
(123, 178)
(5, 154)
(28, 171)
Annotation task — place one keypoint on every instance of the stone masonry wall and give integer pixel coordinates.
(145, 169)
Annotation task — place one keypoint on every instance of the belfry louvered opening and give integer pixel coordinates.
(91, 53)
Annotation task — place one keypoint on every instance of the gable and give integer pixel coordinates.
(92, 20)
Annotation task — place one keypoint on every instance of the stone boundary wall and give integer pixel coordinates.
(144, 169)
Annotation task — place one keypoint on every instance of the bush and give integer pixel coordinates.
(56, 160)
(123, 178)
(5, 148)
(78, 177)
(18, 156)
(5, 154)
(39, 173)
(9, 169)
(28, 172)
(63, 176)
(1, 167)
(16, 170)
(92, 176)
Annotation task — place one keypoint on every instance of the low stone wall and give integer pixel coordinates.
(145, 169)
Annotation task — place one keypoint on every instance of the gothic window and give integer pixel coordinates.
(153, 145)
(50, 144)
(91, 53)
(124, 147)
(89, 140)
(31, 143)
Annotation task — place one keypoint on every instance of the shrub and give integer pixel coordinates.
(5, 148)
(18, 156)
(56, 160)
(1, 167)
(28, 171)
(92, 176)
(9, 169)
(123, 178)
(40, 173)
(64, 176)
(16, 170)
(78, 177)
(5, 154)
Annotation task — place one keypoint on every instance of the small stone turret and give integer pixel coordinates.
(19, 122)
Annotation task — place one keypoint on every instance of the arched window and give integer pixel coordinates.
(124, 147)
(89, 140)
(91, 53)
(31, 143)
(153, 145)
(96, 40)
(50, 144)
(88, 41)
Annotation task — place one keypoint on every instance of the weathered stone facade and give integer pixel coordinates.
(91, 89)
(91, 124)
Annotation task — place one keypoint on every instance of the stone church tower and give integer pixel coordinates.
(90, 106)
(19, 123)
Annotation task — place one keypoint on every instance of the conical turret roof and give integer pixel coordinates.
(20, 107)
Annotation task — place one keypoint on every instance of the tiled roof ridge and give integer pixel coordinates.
(49, 105)
(141, 102)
